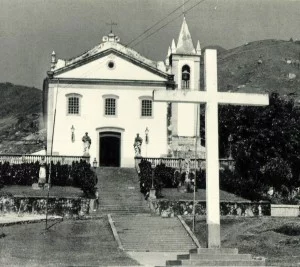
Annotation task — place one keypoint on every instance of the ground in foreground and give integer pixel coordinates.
(69, 243)
(277, 239)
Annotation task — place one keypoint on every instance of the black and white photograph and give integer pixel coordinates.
(150, 133)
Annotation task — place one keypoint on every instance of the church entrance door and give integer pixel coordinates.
(110, 149)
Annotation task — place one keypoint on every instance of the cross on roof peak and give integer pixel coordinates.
(111, 24)
(111, 37)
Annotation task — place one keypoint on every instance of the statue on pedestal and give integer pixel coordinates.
(86, 144)
(42, 173)
(138, 145)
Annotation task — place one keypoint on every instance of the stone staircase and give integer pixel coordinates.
(136, 228)
(216, 257)
(147, 233)
(119, 192)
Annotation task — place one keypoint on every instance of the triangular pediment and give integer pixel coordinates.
(111, 65)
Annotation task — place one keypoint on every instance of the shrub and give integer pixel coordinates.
(79, 174)
(145, 176)
(86, 178)
(289, 229)
(164, 177)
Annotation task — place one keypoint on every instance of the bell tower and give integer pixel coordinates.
(183, 61)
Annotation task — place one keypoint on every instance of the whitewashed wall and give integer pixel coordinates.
(92, 118)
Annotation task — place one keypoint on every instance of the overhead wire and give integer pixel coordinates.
(155, 24)
(168, 23)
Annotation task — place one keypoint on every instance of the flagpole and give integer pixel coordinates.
(51, 152)
(195, 178)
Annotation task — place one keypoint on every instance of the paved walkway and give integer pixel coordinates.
(13, 218)
(153, 258)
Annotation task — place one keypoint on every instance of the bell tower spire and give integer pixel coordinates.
(185, 42)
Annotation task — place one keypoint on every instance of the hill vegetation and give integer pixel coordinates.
(261, 66)
(21, 125)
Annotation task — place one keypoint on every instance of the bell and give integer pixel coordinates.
(185, 75)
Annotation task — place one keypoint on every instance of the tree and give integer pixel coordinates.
(266, 143)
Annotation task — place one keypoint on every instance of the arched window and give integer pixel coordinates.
(185, 77)
(73, 104)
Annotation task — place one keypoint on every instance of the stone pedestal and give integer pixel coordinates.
(152, 194)
(35, 186)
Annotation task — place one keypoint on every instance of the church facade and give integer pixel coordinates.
(106, 94)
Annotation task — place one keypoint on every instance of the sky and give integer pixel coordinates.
(31, 29)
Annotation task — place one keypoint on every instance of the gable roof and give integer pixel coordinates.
(103, 49)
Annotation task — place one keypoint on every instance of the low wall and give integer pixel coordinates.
(285, 210)
(66, 207)
(167, 208)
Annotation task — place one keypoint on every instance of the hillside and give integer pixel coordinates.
(20, 119)
(261, 66)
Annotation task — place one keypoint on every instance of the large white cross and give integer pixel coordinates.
(211, 97)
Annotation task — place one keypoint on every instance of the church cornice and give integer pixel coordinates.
(185, 55)
(111, 50)
(166, 84)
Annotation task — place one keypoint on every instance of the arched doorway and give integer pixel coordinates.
(110, 149)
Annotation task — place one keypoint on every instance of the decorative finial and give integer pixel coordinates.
(168, 56)
(173, 47)
(53, 60)
(53, 57)
(198, 48)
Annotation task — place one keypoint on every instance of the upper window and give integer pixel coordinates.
(110, 105)
(185, 77)
(73, 104)
(146, 108)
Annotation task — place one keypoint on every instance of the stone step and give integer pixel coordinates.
(195, 256)
(166, 243)
(216, 263)
(132, 210)
(215, 251)
(152, 233)
(219, 266)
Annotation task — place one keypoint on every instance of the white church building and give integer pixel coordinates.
(107, 93)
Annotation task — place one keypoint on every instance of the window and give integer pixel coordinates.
(185, 77)
(110, 106)
(73, 104)
(146, 108)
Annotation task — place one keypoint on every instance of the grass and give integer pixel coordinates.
(55, 191)
(174, 194)
(69, 243)
(277, 239)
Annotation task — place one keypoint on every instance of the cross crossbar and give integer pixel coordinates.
(202, 97)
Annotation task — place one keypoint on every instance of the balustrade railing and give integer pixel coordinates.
(178, 163)
(19, 158)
